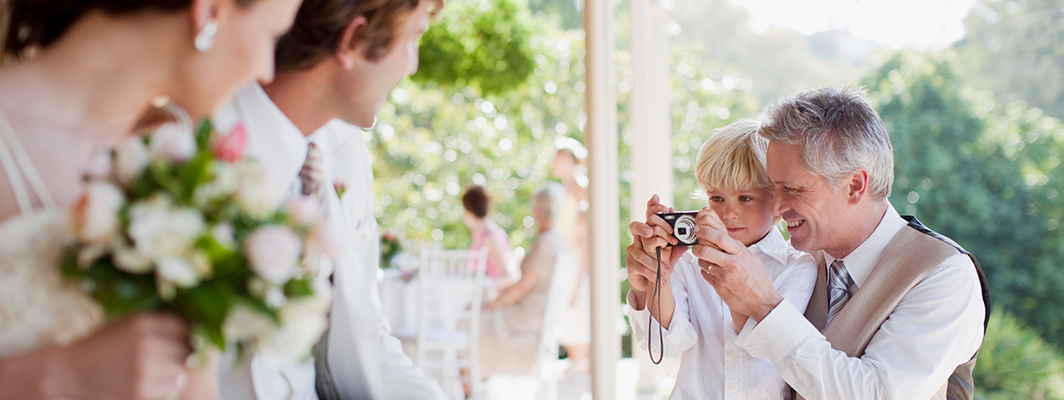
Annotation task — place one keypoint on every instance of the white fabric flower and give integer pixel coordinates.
(273, 252)
(95, 215)
(172, 143)
(131, 157)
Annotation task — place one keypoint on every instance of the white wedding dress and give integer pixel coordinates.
(38, 307)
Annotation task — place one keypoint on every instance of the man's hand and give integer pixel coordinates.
(737, 274)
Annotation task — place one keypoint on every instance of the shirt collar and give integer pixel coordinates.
(772, 245)
(272, 138)
(859, 263)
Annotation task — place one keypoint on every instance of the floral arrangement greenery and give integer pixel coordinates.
(182, 222)
(391, 246)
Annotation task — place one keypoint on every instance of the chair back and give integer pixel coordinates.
(450, 289)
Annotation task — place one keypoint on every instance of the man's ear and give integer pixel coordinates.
(349, 51)
(857, 187)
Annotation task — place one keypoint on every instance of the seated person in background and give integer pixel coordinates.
(510, 325)
(486, 233)
(700, 332)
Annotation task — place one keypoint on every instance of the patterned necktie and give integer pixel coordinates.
(840, 288)
(311, 177)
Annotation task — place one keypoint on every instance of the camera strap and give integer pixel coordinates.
(655, 301)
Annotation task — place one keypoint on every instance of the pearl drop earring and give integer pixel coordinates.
(205, 37)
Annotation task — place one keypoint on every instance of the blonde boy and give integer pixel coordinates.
(698, 343)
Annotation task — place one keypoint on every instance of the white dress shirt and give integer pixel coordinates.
(701, 342)
(363, 358)
(936, 326)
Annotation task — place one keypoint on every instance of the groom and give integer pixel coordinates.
(898, 310)
(338, 63)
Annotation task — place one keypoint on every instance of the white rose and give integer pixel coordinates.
(130, 260)
(95, 215)
(244, 323)
(226, 179)
(255, 194)
(160, 230)
(131, 157)
(273, 252)
(223, 234)
(171, 143)
(177, 270)
(302, 322)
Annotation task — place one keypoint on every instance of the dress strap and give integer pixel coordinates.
(13, 159)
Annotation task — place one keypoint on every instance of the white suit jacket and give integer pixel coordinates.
(365, 360)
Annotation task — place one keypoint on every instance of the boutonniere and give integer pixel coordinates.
(340, 187)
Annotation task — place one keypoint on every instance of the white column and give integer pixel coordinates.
(651, 150)
(604, 197)
(650, 154)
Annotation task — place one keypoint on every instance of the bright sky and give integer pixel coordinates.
(895, 23)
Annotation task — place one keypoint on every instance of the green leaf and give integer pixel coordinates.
(299, 287)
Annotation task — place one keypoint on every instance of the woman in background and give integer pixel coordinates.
(487, 234)
(510, 325)
(574, 322)
(86, 71)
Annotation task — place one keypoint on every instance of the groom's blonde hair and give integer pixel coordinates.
(733, 158)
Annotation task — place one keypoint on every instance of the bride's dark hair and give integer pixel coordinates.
(38, 23)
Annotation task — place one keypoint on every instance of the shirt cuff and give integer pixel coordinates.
(777, 335)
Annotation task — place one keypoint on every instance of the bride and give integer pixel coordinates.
(78, 76)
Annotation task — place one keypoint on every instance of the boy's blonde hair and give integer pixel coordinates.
(733, 158)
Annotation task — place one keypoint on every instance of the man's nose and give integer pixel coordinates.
(778, 204)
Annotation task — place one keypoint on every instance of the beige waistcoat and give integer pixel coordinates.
(904, 263)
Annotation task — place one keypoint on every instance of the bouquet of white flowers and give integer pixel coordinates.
(183, 223)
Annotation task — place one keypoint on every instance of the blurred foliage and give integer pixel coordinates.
(480, 43)
(1016, 363)
(565, 14)
(987, 175)
(1016, 49)
(779, 62)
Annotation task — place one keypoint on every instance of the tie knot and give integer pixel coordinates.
(312, 175)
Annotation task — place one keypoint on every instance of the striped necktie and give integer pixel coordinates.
(840, 288)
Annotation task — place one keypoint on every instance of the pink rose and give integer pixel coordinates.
(304, 210)
(131, 158)
(230, 147)
(95, 214)
(324, 239)
(273, 252)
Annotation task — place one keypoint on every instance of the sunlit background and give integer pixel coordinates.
(971, 91)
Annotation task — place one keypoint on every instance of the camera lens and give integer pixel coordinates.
(685, 229)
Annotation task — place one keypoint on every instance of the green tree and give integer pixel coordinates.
(986, 175)
(1016, 49)
(1016, 363)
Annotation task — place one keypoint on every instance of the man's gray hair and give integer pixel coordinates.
(550, 197)
(838, 132)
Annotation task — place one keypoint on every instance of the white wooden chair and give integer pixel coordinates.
(450, 290)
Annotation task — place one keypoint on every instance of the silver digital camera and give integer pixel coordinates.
(683, 226)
